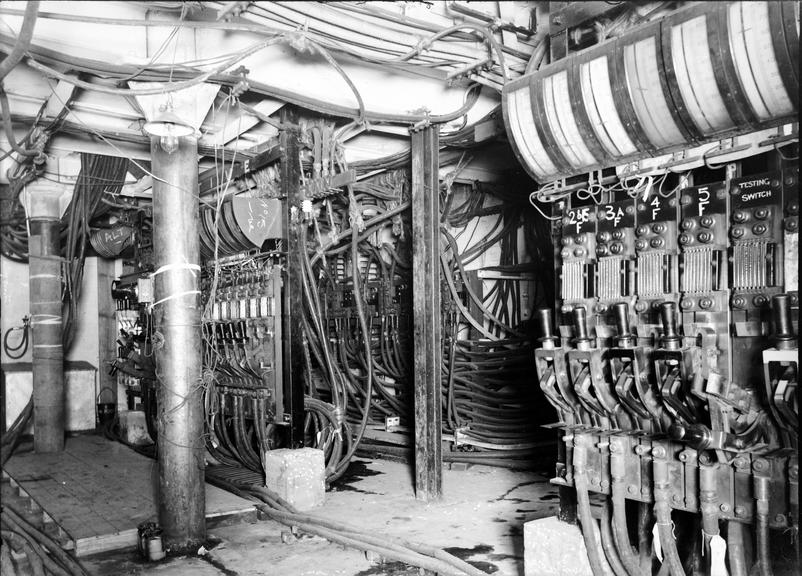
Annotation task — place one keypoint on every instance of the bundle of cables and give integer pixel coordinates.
(490, 407)
(42, 555)
(423, 556)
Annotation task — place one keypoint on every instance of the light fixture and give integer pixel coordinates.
(169, 128)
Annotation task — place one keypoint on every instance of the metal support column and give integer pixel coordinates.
(47, 356)
(292, 291)
(426, 313)
(177, 345)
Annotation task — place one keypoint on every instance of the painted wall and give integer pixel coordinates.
(16, 304)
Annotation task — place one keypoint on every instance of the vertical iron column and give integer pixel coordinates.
(292, 291)
(47, 355)
(426, 313)
(177, 345)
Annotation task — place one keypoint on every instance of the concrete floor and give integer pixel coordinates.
(480, 519)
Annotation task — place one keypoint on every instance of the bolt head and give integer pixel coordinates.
(686, 304)
(724, 507)
(632, 489)
(603, 236)
(685, 238)
(641, 230)
(705, 237)
(738, 302)
(793, 208)
(659, 452)
(760, 300)
(659, 228)
(705, 303)
(618, 235)
(759, 229)
(740, 511)
(707, 221)
(761, 213)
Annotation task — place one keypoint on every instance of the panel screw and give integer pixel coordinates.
(724, 507)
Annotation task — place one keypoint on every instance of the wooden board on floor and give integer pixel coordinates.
(99, 491)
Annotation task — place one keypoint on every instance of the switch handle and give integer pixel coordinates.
(781, 311)
(544, 323)
(622, 318)
(580, 323)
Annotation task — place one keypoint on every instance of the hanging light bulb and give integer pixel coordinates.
(169, 128)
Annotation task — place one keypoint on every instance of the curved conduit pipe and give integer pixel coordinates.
(645, 526)
(662, 511)
(598, 564)
(736, 552)
(23, 41)
(619, 490)
(608, 544)
(762, 491)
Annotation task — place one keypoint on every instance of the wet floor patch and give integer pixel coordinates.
(219, 565)
(356, 471)
(468, 553)
(390, 569)
(513, 489)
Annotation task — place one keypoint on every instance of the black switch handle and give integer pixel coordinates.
(544, 323)
(668, 316)
(622, 318)
(580, 323)
(783, 328)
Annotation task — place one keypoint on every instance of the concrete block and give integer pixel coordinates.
(79, 394)
(134, 428)
(298, 476)
(554, 548)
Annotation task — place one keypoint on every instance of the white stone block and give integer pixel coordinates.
(554, 548)
(298, 476)
(134, 427)
(79, 394)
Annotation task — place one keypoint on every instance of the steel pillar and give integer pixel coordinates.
(45, 202)
(47, 354)
(426, 313)
(177, 345)
(293, 385)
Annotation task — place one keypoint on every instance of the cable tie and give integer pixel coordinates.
(180, 266)
(174, 296)
(49, 319)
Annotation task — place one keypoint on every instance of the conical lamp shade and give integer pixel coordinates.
(168, 124)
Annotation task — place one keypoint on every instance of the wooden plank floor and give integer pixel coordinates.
(99, 491)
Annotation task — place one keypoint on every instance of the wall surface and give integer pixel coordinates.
(85, 349)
